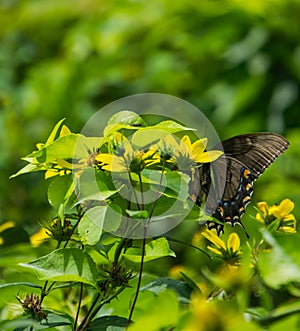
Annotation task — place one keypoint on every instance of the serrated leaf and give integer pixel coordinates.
(154, 249)
(64, 265)
(95, 220)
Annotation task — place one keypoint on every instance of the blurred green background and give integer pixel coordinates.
(237, 61)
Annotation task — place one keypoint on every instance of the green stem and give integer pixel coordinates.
(134, 192)
(74, 228)
(79, 306)
(143, 253)
(118, 251)
(94, 310)
(142, 192)
(85, 322)
(139, 279)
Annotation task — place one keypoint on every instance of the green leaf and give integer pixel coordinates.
(265, 317)
(54, 132)
(272, 227)
(182, 289)
(277, 267)
(178, 183)
(126, 117)
(20, 284)
(91, 225)
(94, 185)
(64, 265)
(60, 190)
(154, 249)
(53, 320)
(108, 323)
(191, 283)
(95, 220)
(26, 169)
(62, 148)
(138, 214)
(151, 134)
(70, 146)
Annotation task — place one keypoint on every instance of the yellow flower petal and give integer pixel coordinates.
(38, 238)
(263, 206)
(199, 146)
(214, 239)
(233, 242)
(208, 157)
(286, 206)
(6, 225)
(105, 158)
(214, 250)
(51, 173)
(112, 162)
(287, 229)
(185, 143)
(289, 217)
(275, 211)
(259, 218)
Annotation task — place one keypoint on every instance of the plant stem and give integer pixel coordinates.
(74, 227)
(139, 278)
(79, 306)
(143, 253)
(86, 318)
(134, 192)
(118, 251)
(94, 310)
(105, 301)
(142, 192)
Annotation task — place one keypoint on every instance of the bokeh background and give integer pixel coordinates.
(237, 61)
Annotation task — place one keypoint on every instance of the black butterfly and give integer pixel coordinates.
(227, 183)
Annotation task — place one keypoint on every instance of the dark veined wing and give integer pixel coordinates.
(228, 191)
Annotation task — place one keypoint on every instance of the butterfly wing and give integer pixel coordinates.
(245, 158)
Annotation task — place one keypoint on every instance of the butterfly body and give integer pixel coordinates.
(227, 183)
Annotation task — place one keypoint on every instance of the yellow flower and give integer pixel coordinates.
(39, 237)
(5, 226)
(230, 251)
(279, 214)
(125, 158)
(185, 152)
(196, 150)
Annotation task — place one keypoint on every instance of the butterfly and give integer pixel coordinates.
(226, 184)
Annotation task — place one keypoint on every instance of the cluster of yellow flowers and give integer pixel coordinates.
(278, 216)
